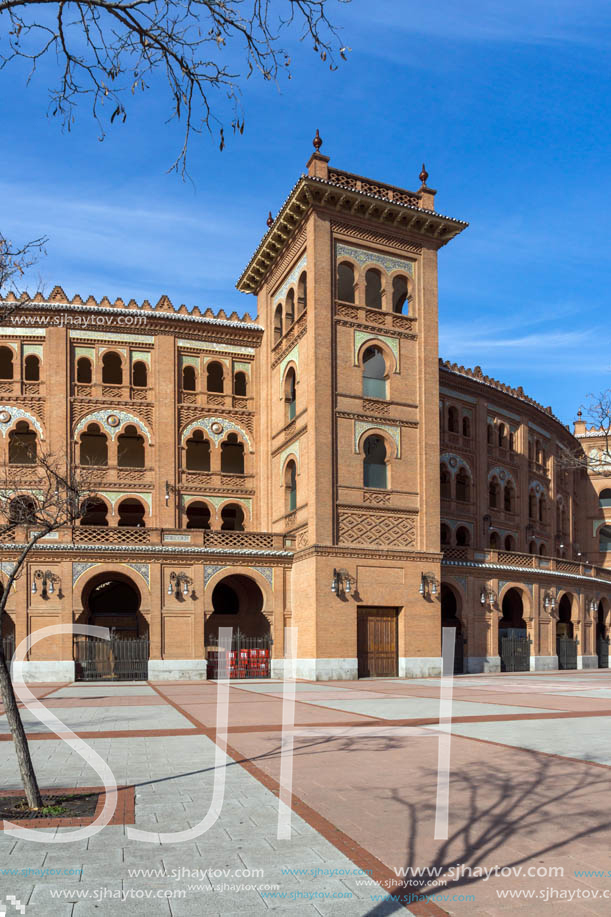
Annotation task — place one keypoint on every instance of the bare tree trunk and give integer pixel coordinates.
(22, 750)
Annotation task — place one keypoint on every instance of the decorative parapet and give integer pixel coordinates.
(478, 375)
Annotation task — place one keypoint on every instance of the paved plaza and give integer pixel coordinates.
(530, 785)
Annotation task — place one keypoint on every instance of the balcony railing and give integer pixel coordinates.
(128, 535)
(532, 561)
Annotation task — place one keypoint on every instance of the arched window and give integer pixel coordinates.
(532, 505)
(345, 282)
(198, 452)
(239, 384)
(509, 543)
(604, 498)
(83, 371)
(6, 363)
(373, 289)
(139, 374)
(289, 309)
(232, 455)
(374, 373)
(445, 483)
(277, 324)
(542, 550)
(512, 441)
(214, 374)
(542, 508)
(490, 434)
(112, 368)
(466, 426)
(131, 513)
(31, 369)
(532, 547)
(509, 498)
(399, 294)
(188, 378)
(22, 510)
(501, 434)
(232, 517)
(538, 452)
(452, 420)
(290, 483)
(290, 395)
(495, 541)
(604, 539)
(463, 486)
(463, 536)
(302, 293)
(93, 512)
(94, 446)
(198, 515)
(22, 445)
(531, 450)
(130, 453)
(445, 535)
(493, 493)
(375, 472)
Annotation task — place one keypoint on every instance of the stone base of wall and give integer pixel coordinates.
(587, 662)
(177, 670)
(543, 663)
(44, 670)
(319, 669)
(475, 665)
(419, 666)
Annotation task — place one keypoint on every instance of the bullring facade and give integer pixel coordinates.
(315, 467)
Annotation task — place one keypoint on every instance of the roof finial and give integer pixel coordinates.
(317, 142)
(423, 175)
(579, 414)
(270, 219)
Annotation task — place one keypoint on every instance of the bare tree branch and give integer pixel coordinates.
(594, 453)
(38, 495)
(108, 50)
(15, 261)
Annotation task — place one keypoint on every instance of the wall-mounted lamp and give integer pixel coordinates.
(169, 489)
(593, 606)
(428, 585)
(179, 584)
(342, 583)
(487, 597)
(549, 601)
(487, 520)
(48, 581)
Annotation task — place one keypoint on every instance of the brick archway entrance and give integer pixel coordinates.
(238, 603)
(112, 600)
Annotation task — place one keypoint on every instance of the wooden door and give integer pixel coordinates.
(377, 642)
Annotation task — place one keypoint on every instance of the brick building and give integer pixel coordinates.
(315, 467)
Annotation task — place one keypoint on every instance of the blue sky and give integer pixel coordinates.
(507, 102)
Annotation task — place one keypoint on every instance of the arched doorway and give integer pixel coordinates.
(238, 602)
(514, 644)
(112, 600)
(566, 645)
(602, 636)
(450, 602)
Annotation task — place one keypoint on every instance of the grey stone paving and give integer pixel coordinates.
(588, 739)
(105, 690)
(103, 719)
(398, 708)
(174, 779)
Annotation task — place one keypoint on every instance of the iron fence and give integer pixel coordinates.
(249, 657)
(117, 659)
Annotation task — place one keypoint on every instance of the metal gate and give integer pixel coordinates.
(8, 647)
(514, 648)
(566, 649)
(117, 659)
(602, 650)
(459, 654)
(250, 657)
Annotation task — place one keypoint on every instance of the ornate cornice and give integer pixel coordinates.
(531, 571)
(310, 192)
(322, 550)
